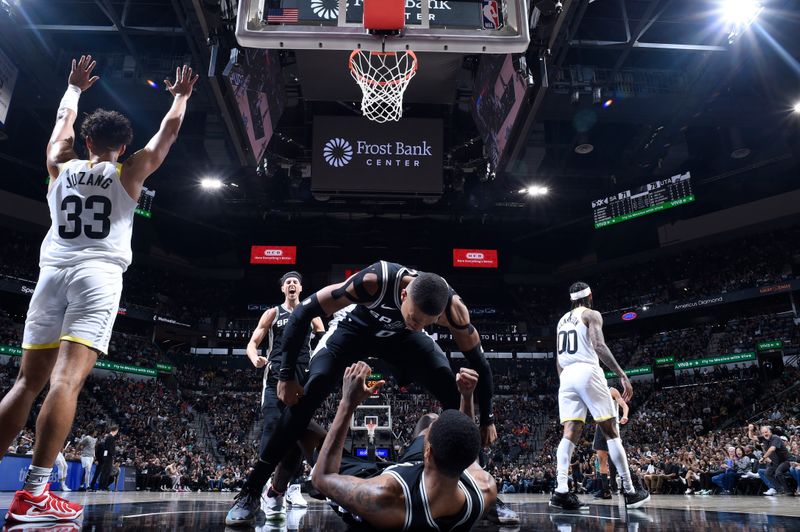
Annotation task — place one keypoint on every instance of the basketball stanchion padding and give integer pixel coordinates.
(384, 15)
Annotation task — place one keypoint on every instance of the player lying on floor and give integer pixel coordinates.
(447, 490)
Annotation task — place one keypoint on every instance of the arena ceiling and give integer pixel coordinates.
(684, 99)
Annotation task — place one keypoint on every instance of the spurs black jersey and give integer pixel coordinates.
(275, 345)
(418, 511)
(275, 350)
(383, 316)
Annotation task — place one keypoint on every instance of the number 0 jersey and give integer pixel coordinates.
(92, 216)
(572, 340)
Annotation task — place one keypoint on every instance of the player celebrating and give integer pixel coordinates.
(601, 446)
(272, 323)
(444, 491)
(82, 259)
(580, 346)
(393, 304)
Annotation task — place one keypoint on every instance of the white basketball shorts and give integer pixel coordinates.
(77, 303)
(584, 387)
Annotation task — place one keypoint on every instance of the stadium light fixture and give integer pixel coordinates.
(796, 107)
(535, 190)
(739, 15)
(209, 183)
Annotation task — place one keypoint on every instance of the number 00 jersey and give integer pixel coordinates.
(572, 340)
(91, 214)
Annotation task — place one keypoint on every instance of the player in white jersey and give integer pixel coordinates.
(82, 259)
(580, 346)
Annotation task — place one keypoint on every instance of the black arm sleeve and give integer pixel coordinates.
(294, 335)
(485, 387)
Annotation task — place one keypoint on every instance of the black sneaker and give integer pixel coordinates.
(604, 495)
(637, 498)
(501, 514)
(567, 501)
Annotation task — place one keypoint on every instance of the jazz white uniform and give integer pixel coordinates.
(583, 384)
(82, 258)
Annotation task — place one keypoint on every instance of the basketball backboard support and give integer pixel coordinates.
(455, 26)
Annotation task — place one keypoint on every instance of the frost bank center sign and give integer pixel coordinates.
(354, 154)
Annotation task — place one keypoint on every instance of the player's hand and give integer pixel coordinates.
(258, 361)
(81, 73)
(354, 384)
(488, 435)
(184, 82)
(466, 381)
(627, 389)
(750, 427)
(289, 392)
(623, 421)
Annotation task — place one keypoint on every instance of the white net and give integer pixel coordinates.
(383, 78)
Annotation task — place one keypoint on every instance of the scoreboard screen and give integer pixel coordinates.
(647, 199)
(145, 206)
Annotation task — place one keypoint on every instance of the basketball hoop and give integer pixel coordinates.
(383, 78)
(371, 423)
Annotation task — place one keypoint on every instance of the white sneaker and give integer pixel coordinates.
(770, 491)
(274, 507)
(64, 487)
(688, 491)
(295, 497)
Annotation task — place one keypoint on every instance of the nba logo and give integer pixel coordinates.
(491, 15)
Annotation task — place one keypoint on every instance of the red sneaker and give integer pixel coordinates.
(44, 508)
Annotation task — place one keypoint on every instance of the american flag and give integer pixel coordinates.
(290, 14)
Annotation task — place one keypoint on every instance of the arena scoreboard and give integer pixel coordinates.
(647, 199)
(145, 206)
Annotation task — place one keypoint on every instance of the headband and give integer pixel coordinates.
(574, 296)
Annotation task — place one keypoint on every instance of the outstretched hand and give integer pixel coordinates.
(81, 73)
(354, 384)
(184, 82)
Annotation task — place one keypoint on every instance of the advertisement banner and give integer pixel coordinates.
(769, 345)
(352, 155)
(641, 370)
(475, 258)
(709, 301)
(273, 255)
(14, 467)
(714, 361)
(12, 350)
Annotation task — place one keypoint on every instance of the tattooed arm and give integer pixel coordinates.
(379, 501)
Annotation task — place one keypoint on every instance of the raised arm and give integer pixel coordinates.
(456, 318)
(144, 162)
(377, 500)
(751, 432)
(60, 147)
(594, 321)
(362, 287)
(258, 336)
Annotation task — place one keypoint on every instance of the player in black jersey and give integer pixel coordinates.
(392, 306)
(271, 326)
(446, 490)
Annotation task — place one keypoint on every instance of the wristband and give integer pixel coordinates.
(70, 99)
(286, 374)
(487, 420)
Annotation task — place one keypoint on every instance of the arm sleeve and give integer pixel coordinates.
(294, 335)
(485, 389)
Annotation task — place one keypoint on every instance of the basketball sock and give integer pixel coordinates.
(271, 492)
(617, 453)
(36, 479)
(563, 456)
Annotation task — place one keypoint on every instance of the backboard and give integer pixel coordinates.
(456, 26)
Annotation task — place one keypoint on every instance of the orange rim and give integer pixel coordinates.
(370, 81)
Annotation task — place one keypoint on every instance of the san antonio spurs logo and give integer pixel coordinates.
(337, 152)
(327, 9)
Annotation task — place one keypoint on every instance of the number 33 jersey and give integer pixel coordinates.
(572, 340)
(91, 214)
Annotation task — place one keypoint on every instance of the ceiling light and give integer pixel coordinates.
(796, 107)
(535, 190)
(740, 12)
(608, 103)
(209, 183)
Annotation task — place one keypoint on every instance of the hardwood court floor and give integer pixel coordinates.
(134, 511)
